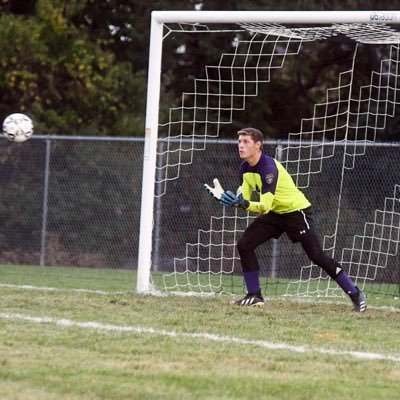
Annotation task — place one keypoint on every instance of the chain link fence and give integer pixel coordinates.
(75, 202)
(71, 202)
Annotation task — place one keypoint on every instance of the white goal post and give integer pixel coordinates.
(254, 20)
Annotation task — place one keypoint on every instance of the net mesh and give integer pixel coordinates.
(340, 130)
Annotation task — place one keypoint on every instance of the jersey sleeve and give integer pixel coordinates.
(246, 189)
(269, 178)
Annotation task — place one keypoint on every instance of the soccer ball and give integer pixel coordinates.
(18, 127)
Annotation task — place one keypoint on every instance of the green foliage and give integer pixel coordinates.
(79, 67)
(67, 81)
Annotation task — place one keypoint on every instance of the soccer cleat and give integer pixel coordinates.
(359, 301)
(252, 300)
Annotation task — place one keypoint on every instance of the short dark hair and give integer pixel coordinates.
(254, 133)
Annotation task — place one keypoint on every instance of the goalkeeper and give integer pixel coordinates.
(282, 207)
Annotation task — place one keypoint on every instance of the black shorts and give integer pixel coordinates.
(297, 224)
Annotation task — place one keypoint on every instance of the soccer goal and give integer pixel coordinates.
(324, 87)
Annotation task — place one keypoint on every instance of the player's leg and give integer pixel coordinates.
(314, 251)
(258, 232)
(300, 228)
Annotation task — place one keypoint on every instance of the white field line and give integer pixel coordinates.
(162, 294)
(201, 336)
(52, 289)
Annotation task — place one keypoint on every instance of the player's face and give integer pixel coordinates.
(249, 150)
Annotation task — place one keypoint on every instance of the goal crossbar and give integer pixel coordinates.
(288, 17)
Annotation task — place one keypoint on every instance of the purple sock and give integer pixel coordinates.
(345, 283)
(252, 280)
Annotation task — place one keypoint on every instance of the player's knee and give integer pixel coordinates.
(241, 247)
(244, 246)
(316, 257)
(326, 263)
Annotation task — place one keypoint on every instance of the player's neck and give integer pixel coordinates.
(253, 160)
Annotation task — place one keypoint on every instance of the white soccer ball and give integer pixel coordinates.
(18, 127)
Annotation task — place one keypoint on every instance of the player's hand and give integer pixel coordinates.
(229, 199)
(242, 202)
(215, 191)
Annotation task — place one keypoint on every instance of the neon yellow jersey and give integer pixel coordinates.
(274, 186)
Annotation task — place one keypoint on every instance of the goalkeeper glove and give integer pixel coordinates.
(215, 191)
(228, 199)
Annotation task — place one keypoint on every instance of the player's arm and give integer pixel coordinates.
(263, 206)
(246, 190)
(268, 179)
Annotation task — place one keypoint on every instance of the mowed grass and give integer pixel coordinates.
(147, 347)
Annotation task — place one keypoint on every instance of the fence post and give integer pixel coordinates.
(45, 203)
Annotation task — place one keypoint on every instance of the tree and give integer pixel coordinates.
(68, 81)
(81, 66)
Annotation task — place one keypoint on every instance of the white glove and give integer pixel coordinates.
(215, 191)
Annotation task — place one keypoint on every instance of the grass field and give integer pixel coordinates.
(106, 342)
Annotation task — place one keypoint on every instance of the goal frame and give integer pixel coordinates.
(158, 19)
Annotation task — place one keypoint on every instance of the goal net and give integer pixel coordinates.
(325, 95)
